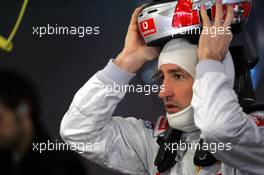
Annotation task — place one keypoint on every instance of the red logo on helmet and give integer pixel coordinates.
(147, 27)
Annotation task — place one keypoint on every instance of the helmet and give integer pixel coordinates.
(161, 20)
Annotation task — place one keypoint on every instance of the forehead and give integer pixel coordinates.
(3, 108)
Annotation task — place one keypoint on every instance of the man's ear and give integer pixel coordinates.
(23, 111)
(23, 114)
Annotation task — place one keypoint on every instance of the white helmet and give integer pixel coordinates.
(163, 19)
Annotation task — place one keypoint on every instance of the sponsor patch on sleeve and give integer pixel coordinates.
(149, 124)
(258, 118)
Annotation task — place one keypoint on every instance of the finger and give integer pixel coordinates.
(205, 18)
(218, 13)
(135, 15)
(231, 38)
(229, 17)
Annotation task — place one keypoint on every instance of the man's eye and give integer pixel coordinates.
(177, 76)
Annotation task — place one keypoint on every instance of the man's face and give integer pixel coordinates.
(178, 88)
(9, 129)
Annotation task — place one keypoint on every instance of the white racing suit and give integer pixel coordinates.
(128, 145)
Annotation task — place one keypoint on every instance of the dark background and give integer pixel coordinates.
(60, 65)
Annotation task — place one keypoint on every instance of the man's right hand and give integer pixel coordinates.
(135, 52)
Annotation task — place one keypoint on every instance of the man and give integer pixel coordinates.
(20, 129)
(128, 145)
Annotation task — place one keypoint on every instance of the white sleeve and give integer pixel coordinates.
(221, 119)
(121, 143)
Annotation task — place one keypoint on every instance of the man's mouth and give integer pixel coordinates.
(171, 108)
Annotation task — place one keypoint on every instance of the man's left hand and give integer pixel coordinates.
(215, 45)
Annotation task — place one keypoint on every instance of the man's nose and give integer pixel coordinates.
(166, 90)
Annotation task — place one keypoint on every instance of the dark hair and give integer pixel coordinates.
(16, 89)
